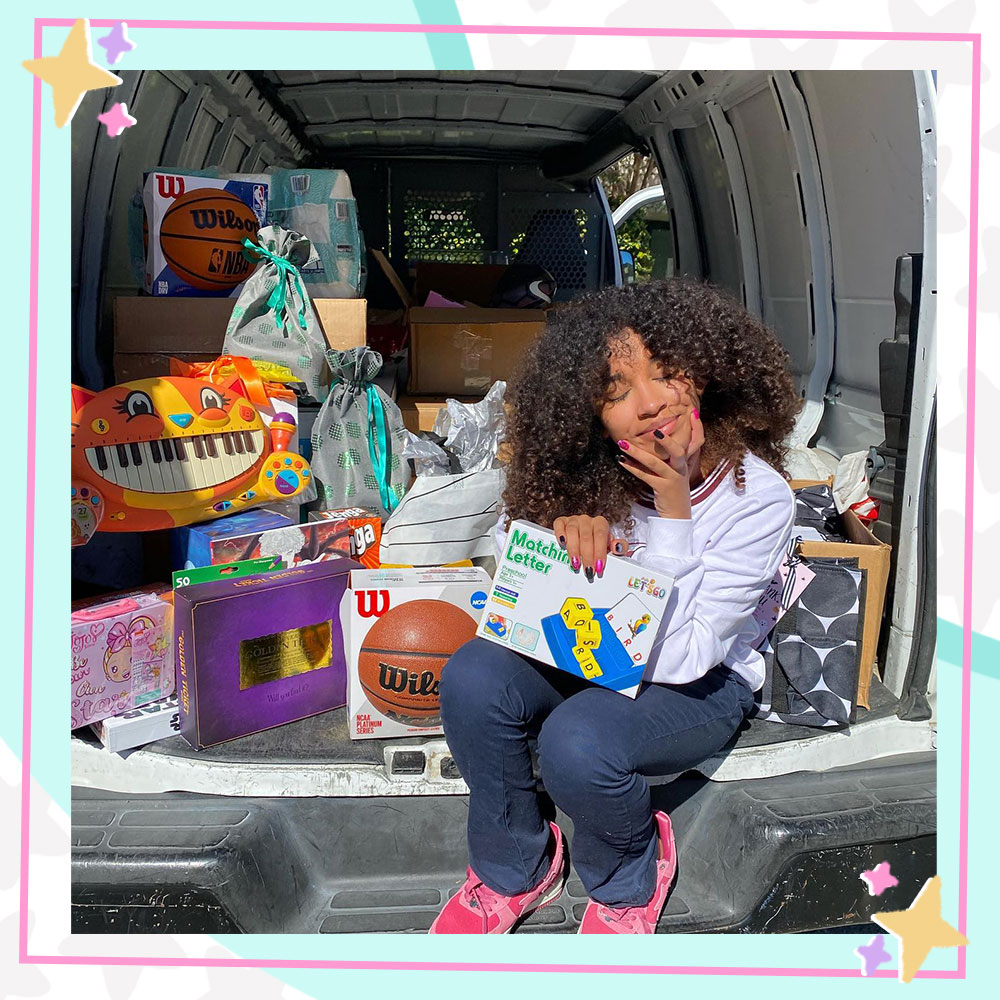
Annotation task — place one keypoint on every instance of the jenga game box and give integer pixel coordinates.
(402, 626)
(601, 631)
(363, 530)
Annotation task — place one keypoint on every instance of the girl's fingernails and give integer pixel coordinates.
(589, 571)
(575, 563)
(562, 541)
(599, 566)
(694, 413)
(622, 459)
(658, 434)
(623, 445)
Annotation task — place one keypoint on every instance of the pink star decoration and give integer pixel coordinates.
(117, 119)
(116, 43)
(872, 955)
(878, 879)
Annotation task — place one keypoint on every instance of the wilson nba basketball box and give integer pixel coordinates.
(194, 229)
(402, 625)
(256, 652)
(601, 631)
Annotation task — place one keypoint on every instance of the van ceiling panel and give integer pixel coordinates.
(508, 114)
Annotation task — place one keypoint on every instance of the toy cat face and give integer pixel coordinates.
(221, 438)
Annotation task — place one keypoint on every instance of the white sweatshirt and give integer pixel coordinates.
(721, 561)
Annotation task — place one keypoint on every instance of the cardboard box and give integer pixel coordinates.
(122, 654)
(150, 330)
(602, 631)
(459, 282)
(402, 626)
(420, 412)
(874, 557)
(257, 652)
(461, 351)
(155, 721)
(344, 321)
(464, 351)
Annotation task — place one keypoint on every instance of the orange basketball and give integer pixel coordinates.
(400, 662)
(202, 236)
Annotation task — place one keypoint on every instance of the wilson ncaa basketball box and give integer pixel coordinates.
(194, 229)
(402, 626)
(256, 652)
(601, 631)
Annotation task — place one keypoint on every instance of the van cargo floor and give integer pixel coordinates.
(315, 756)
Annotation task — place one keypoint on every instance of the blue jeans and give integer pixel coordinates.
(593, 746)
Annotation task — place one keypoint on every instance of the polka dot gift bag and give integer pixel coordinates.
(358, 437)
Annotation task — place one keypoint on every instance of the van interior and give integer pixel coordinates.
(808, 195)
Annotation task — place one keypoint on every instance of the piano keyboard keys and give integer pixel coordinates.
(173, 465)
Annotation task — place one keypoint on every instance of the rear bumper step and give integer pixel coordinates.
(772, 854)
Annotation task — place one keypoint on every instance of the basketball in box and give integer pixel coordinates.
(601, 631)
(193, 230)
(402, 626)
(363, 531)
(257, 652)
(122, 655)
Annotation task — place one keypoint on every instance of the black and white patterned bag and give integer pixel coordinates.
(812, 657)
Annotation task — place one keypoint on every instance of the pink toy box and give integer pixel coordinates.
(122, 655)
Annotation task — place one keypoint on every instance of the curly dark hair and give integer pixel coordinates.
(559, 459)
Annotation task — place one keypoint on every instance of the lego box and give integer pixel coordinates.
(193, 232)
(402, 626)
(601, 631)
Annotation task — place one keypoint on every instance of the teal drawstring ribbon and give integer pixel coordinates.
(286, 270)
(377, 434)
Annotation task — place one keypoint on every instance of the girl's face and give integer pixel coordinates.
(643, 397)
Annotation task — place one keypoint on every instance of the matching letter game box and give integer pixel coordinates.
(602, 631)
(259, 651)
(122, 654)
(402, 626)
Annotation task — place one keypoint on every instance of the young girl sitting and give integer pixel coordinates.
(648, 422)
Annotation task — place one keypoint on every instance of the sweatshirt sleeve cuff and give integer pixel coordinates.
(670, 537)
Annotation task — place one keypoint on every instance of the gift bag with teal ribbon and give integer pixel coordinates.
(273, 319)
(358, 437)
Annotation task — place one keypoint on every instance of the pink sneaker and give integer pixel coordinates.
(477, 909)
(601, 919)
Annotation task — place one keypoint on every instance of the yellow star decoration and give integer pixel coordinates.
(71, 73)
(920, 928)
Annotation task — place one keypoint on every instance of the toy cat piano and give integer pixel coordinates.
(160, 452)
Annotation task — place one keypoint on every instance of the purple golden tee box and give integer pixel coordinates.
(259, 651)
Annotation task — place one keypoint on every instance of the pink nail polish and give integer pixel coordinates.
(694, 413)
(575, 563)
(599, 566)
(623, 445)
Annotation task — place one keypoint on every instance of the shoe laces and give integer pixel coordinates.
(630, 916)
(480, 895)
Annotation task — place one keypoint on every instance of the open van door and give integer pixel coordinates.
(771, 181)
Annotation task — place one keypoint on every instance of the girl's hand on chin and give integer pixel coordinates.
(664, 467)
(587, 541)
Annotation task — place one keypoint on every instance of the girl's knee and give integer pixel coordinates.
(473, 675)
(573, 756)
